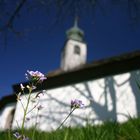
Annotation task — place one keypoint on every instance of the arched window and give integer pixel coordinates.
(76, 49)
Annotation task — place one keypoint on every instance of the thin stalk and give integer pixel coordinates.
(66, 118)
(25, 111)
(17, 124)
(32, 108)
(9, 134)
(22, 105)
(35, 125)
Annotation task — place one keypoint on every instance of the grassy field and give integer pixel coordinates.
(108, 131)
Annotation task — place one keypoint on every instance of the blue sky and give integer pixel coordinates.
(39, 49)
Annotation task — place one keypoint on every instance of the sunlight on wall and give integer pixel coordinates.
(109, 98)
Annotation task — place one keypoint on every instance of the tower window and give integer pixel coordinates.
(76, 49)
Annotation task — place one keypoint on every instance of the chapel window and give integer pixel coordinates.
(77, 49)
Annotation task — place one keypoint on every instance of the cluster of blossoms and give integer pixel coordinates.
(35, 76)
(76, 104)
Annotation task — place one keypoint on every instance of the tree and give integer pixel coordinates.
(12, 10)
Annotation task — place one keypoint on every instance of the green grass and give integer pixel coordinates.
(108, 131)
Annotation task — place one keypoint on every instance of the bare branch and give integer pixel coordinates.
(15, 13)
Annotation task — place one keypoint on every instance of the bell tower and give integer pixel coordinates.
(74, 52)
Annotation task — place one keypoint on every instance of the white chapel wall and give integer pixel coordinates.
(109, 98)
(5, 114)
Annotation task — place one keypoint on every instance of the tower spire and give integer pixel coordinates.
(76, 22)
(75, 33)
(74, 52)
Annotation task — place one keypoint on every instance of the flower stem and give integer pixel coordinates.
(25, 111)
(35, 125)
(66, 118)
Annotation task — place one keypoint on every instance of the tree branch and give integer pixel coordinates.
(15, 13)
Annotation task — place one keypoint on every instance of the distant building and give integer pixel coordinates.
(74, 52)
(107, 87)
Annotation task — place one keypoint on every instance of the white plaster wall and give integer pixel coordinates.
(72, 60)
(4, 115)
(109, 98)
(0, 119)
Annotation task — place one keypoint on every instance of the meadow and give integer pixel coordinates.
(129, 130)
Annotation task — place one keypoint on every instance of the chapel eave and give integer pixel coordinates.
(95, 70)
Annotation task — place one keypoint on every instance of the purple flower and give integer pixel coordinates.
(20, 137)
(76, 104)
(17, 135)
(35, 76)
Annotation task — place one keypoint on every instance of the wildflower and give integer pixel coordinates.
(20, 137)
(22, 87)
(17, 135)
(76, 104)
(35, 76)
